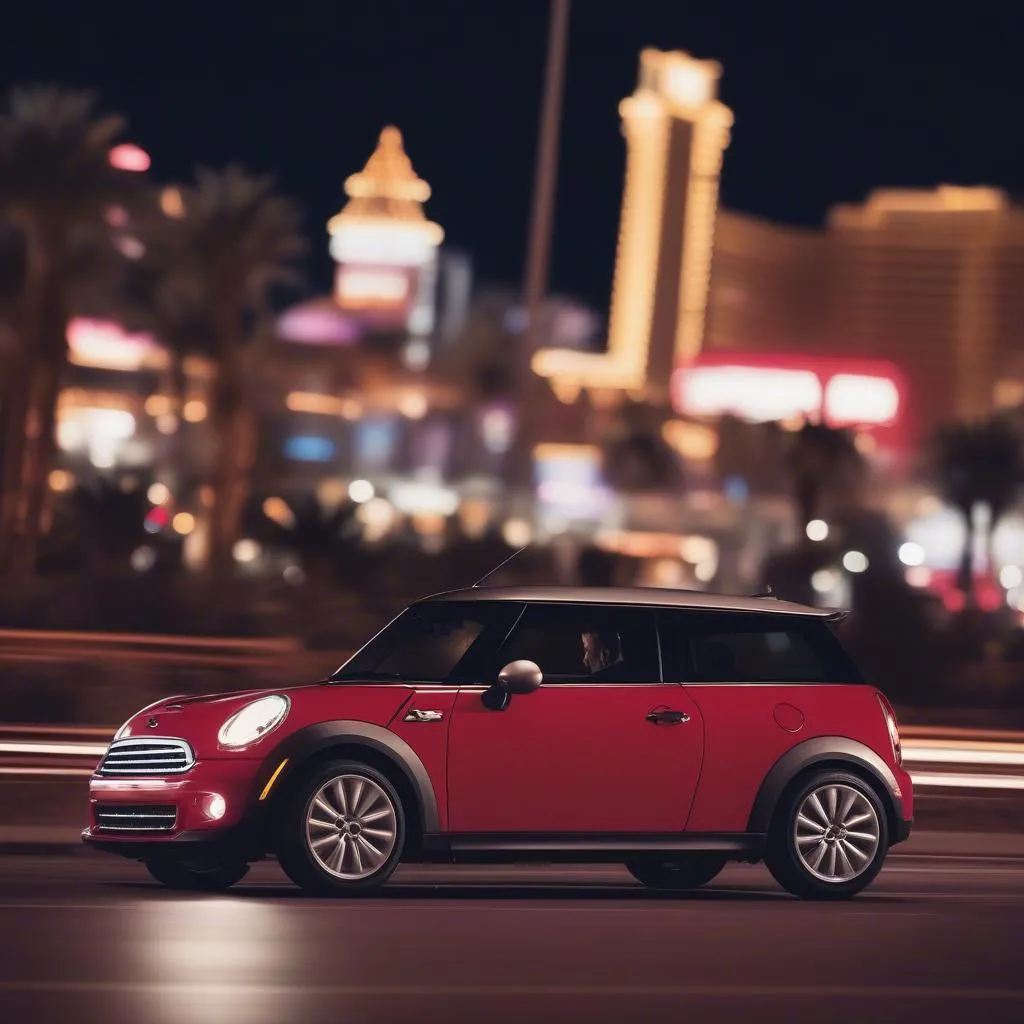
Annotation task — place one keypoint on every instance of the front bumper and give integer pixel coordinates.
(189, 795)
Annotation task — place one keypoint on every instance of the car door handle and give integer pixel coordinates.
(668, 717)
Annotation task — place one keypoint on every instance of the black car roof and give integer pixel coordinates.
(654, 597)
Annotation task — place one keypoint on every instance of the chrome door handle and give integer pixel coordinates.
(415, 715)
(668, 717)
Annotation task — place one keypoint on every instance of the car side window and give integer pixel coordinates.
(716, 647)
(438, 641)
(586, 643)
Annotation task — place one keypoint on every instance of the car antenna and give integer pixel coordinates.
(500, 565)
(767, 592)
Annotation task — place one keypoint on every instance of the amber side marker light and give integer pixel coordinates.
(273, 779)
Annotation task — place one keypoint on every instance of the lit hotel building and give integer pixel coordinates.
(897, 315)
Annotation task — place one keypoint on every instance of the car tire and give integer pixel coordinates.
(177, 874)
(342, 830)
(829, 837)
(680, 873)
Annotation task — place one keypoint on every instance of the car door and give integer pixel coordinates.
(764, 682)
(428, 652)
(618, 752)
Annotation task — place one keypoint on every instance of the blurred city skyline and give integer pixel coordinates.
(896, 99)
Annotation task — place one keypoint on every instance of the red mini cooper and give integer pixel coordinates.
(670, 732)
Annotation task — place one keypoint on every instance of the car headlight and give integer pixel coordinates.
(254, 721)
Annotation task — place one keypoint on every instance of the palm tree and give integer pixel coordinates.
(821, 459)
(213, 270)
(978, 463)
(57, 187)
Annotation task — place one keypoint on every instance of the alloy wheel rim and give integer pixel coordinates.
(351, 827)
(836, 833)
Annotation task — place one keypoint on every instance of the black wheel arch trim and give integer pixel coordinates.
(823, 750)
(313, 739)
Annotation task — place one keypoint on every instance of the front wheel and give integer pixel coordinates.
(342, 830)
(829, 839)
(177, 874)
(686, 872)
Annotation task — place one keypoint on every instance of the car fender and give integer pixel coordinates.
(824, 750)
(312, 739)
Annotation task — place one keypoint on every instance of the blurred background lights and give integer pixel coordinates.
(129, 157)
(1011, 576)
(855, 561)
(919, 576)
(157, 405)
(705, 570)
(824, 581)
(194, 410)
(911, 553)
(361, 491)
(816, 529)
(61, 480)
(517, 533)
(246, 550)
(413, 405)
(143, 559)
(156, 519)
(278, 510)
(377, 517)
(158, 494)
(172, 202)
(294, 575)
(184, 523)
(698, 549)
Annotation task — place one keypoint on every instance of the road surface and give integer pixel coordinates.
(90, 939)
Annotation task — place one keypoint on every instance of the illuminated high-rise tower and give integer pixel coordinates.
(385, 247)
(676, 132)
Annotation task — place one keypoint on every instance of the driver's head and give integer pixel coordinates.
(601, 648)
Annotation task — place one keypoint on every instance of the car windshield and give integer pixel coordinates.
(433, 642)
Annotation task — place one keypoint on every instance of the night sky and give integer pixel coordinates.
(828, 105)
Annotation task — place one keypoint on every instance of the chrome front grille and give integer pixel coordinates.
(144, 756)
(139, 818)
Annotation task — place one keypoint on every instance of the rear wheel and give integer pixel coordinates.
(176, 874)
(342, 830)
(829, 839)
(686, 872)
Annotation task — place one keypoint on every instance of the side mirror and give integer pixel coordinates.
(516, 677)
(521, 677)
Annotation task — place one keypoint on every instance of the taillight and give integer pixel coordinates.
(892, 726)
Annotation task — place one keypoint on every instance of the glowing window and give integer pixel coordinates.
(857, 398)
(750, 392)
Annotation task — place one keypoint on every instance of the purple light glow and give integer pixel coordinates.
(317, 325)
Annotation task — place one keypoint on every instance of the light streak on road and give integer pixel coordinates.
(955, 753)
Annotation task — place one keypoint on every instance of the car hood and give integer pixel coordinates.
(198, 719)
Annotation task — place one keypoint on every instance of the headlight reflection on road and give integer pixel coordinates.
(205, 955)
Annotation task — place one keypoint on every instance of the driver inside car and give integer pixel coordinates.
(602, 652)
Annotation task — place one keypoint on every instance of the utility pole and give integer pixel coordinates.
(538, 248)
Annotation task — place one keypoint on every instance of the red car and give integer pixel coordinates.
(670, 732)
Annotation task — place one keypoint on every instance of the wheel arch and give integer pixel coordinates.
(376, 746)
(819, 753)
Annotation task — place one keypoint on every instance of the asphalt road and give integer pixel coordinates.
(90, 939)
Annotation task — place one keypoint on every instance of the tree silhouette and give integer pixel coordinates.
(820, 459)
(211, 275)
(57, 189)
(978, 463)
(325, 538)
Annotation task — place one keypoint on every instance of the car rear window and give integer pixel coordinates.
(702, 647)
